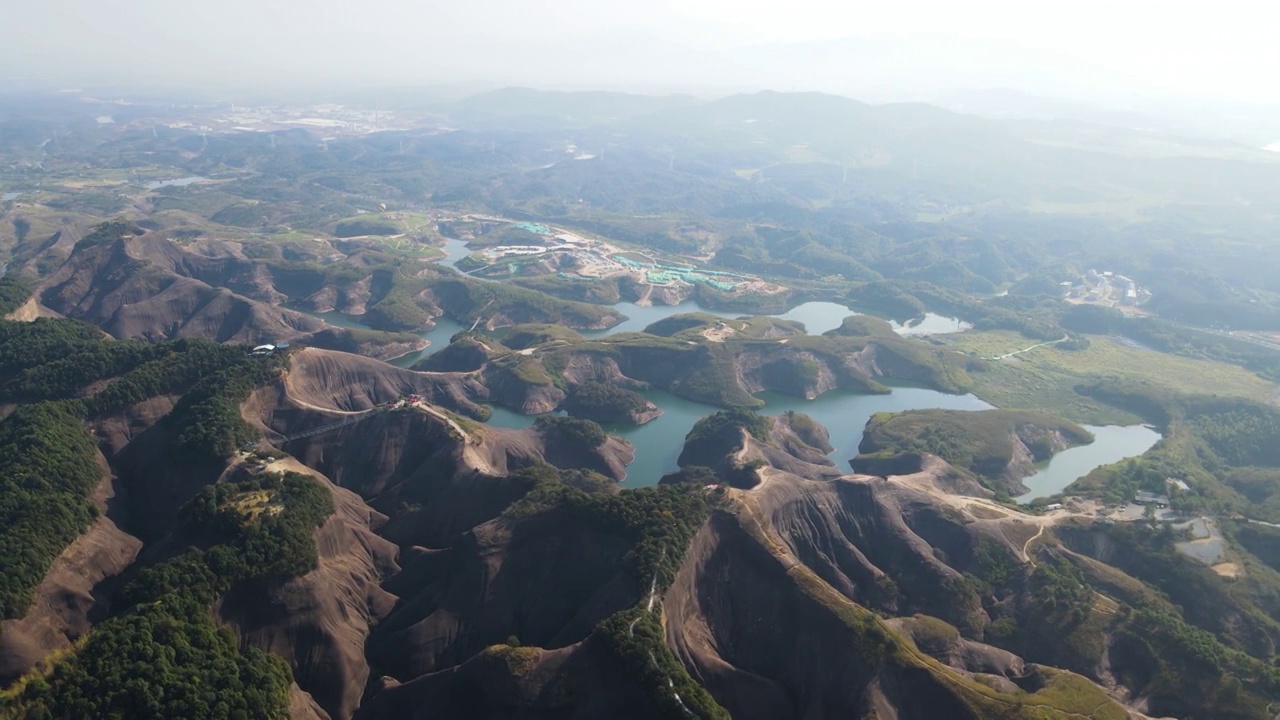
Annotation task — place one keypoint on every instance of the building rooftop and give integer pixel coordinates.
(1142, 497)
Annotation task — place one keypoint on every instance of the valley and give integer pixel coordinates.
(623, 431)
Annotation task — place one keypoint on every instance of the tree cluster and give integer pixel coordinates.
(235, 540)
(161, 661)
(574, 432)
(636, 639)
(605, 403)
(48, 468)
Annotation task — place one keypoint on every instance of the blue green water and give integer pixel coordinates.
(640, 317)
(438, 337)
(844, 414)
(1111, 444)
(930, 324)
(174, 182)
(818, 317)
(454, 250)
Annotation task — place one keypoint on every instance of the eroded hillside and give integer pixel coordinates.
(336, 537)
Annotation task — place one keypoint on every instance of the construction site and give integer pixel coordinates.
(1106, 288)
(572, 256)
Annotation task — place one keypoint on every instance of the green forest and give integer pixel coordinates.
(605, 403)
(164, 660)
(573, 432)
(259, 529)
(48, 468)
(635, 639)
(165, 657)
(1222, 447)
(657, 521)
(50, 465)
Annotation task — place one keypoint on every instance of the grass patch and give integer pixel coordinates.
(252, 504)
(1046, 377)
(1071, 693)
(516, 661)
(529, 335)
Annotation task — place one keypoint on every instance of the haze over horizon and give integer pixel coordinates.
(1107, 52)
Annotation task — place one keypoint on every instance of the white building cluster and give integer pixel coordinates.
(1106, 288)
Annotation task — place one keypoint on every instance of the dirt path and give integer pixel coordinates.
(976, 505)
(1026, 555)
(1064, 338)
(480, 315)
(320, 408)
(742, 450)
(471, 453)
(451, 422)
(351, 413)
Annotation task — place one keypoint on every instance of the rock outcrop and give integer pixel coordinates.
(146, 286)
(345, 382)
(29, 311)
(733, 450)
(545, 579)
(578, 682)
(418, 462)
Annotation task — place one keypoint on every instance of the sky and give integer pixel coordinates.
(1224, 49)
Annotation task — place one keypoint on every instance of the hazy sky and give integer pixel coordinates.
(1225, 48)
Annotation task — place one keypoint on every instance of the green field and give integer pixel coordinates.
(1045, 378)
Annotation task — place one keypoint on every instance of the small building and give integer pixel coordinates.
(1053, 506)
(263, 350)
(1147, 498)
